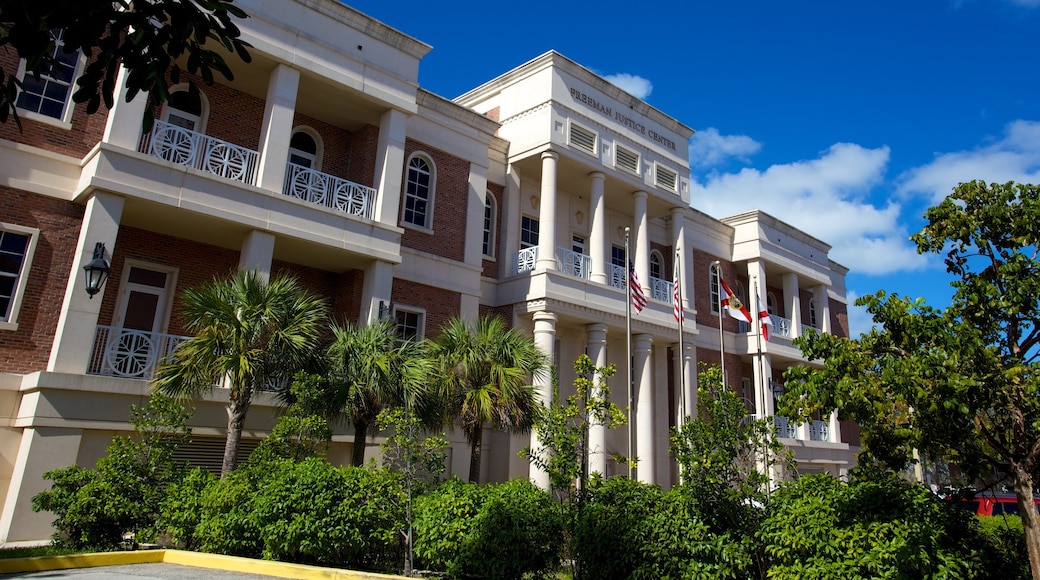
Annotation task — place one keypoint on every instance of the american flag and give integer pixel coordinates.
(677, 310)
(638, 297)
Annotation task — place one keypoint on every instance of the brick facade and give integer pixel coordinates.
(439, 304)
(450, 202)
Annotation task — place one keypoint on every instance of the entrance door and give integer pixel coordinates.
(136, 344)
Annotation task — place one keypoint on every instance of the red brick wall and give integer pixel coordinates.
(85, 133)
(702, 294)
(28, 348)
(450, 194)
(503, 312)
(440, 304)
(364, 147)
(490, 267)
(839, 318)
(234, 116)
(667, 259)
(336, 143)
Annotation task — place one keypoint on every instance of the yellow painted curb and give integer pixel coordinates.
(185, 558)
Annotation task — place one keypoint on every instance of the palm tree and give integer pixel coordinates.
(486, 370)
(252, 332)
(372, 370)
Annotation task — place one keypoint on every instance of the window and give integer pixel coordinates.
(666, 178)
(187, 109)
(581, 138)
(418, 194)
(656, 265)
(409, 323)
(488, 243)
(17, 245)
(625, 159)
(716, 300)
(812, 313)
(303, 150)
(528, 232)
(617, 256)
(771, 303)
(51, 94)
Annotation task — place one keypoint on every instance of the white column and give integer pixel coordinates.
(510, 237)
(756, 271)
(641, 349)
(685, 261)
(684, 367)
(123, 125)
(276, 131)
(476, 202)
(545, 340)
(596, 343)
(598, 247)
(641, 249)
(74, 336)
(764, 404)
(42, 449)
(376, 289)
(793, 302)
(823, 308)
(390, 165)
(833, 428)
(257, 253)
(547, 214)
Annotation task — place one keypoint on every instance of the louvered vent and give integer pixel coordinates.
(666, 178)
(208, 452)
(625, 159)
(583, 139)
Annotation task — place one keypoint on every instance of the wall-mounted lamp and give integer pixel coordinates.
(97, 270)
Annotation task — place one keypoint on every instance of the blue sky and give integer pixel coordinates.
(845, 119)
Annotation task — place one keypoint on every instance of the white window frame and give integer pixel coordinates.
(487, 243)
(318, 156)
(201, 120)
(812, 313)
(571, 125)
(538, 234)
(427, 224)
(660, 265)
(163, 320)
(11, 323)
(715, 293)
(420, 331)
(771, 303)
(65, 121)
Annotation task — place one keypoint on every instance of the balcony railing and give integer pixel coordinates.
(130, 354)
(781, 326)
(784, 427)
(618, 277)
(573, 263)
(334, 192)
(526, 259)
(819, 431)
(660, 290)
(183, 147)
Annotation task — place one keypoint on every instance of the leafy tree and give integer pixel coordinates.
(485, 368)
(959, 384)
(254, 333)
(303, 429)
(372, 371)
(146, 37)
(95, 508)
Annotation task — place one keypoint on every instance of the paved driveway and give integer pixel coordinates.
(140, 572)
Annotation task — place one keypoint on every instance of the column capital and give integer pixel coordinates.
(597, 175)
(550, 154)
(642, 342)
(640, 194)
(596, 333)
(545, 316)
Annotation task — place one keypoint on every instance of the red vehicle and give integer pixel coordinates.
(993, 504)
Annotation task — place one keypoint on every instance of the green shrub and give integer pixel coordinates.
(443, 520)
(226, 525)
(609, 525)
(1007, 556)
(181, 510)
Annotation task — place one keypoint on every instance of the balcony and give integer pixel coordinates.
(130, 354)
(819, 431)
(573, 263)
(660, 290)
(326, 190)
(183, 147)
(785, 428)
(781, 326)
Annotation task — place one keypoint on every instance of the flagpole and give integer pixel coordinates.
(761, 359)
(722, 343)
(683, 412)
(628, 346)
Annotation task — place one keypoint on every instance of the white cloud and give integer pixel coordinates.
(634, 85)
(709, 148)
(860, 321)
(826, 197)
(1014, 157)
(1026, 3)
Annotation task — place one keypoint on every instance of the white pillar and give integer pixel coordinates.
(641, 249)
(596, 344)
(257, 253)
(764, 404)
(547, 214)
(684, 368)
(599, 249)
(793, 302)
(123, 125)
(641, 349)
(756, 271)
(74, 336)
(390, 165)
(823, 308)
(833, 428)
(276, 131)
(376, 289)
(476, 202)
(42, 449)
(511, 215)
(545, 340)
(685, 262)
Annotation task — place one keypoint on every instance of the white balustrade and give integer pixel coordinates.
(183, 147)
(819, 431)
(525, 259)
(781, 326)
(132, 354)
(334, 192)
(618, 277)
(573, 263)
(784, 427)
(660, 290)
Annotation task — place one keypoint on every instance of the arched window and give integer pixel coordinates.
(716, 300)
(418, 193)
(490, 211)
(187, 108)
(771, 303)
(656, 265)
(304, 149)
(812, 313)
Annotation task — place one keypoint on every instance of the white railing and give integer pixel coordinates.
(618, 276)
(819, 431)
(184, 147)
(784, 427)
(660, 290)
(573, 263)
(781, 326)
(131, 354)
(526, 259)
(333, 192)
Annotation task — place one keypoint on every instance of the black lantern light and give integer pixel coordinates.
(97, 270)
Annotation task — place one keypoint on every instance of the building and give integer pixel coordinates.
(324, 158)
